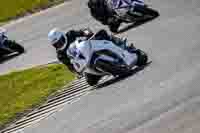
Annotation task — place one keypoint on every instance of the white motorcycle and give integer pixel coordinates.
(97, 58)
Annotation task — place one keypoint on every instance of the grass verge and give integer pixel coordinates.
(23, 90)
(12, 9)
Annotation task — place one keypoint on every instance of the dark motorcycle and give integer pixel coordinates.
(116, 12)
(136, 13)
(9, 46)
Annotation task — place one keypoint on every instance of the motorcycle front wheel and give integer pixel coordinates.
(92, 79)
(141, 13)
(142, 58)
(146, 11)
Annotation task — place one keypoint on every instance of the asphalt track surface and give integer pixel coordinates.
(164, 97)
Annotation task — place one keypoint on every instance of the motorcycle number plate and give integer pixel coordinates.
(74, 52)
(117, 4)
(120, 4)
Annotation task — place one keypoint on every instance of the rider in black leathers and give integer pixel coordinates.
(100, 10)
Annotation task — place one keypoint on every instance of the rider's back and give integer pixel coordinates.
(99, 10)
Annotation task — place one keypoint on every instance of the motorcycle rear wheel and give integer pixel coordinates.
(16, 47)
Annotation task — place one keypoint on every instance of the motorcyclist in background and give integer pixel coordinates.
(100, 10)
(3, 37)
(61, 41)
(8, 46)
(103, 10)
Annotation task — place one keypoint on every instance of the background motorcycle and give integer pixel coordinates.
(97, 58)
(129, 13)
(8, 46)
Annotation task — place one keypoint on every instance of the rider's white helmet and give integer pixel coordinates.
(57, 39)
(3, 31)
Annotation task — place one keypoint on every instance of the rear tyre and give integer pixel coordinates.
(16, 47)
(92, 79)
(4, 52)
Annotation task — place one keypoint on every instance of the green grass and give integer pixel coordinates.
(10, 9)
(20, 91)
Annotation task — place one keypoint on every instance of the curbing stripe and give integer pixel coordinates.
(67, 93)
(74, 91)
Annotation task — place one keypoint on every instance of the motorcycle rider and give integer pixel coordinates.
(3, 37)
(103, 10)
(8, 46)
(100, 11)
(61, 41)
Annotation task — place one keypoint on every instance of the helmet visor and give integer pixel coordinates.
(58, 44)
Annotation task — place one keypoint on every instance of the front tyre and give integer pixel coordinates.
(145, 12)
(92, 79)
(142, 58)
(151, 12)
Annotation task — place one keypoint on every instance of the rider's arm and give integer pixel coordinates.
(62, 57)
(72, 35)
